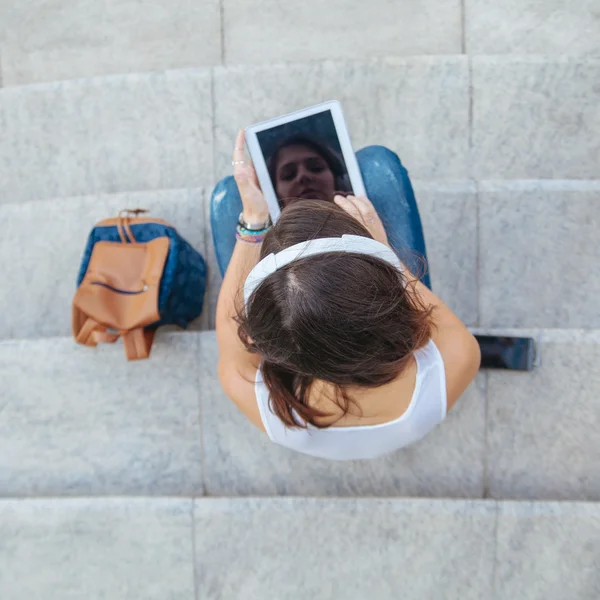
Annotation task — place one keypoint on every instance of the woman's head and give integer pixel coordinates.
(347, 319)
(301, 167)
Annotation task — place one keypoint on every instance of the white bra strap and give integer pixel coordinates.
(356, 244)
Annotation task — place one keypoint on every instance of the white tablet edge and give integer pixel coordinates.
(343, 136)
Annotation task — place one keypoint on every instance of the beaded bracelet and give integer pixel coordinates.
(250, 237)
(245, 231)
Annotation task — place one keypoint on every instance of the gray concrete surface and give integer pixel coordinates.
(539, 254)
(96, 548)
(43, 41)
(126, 548)
(535, 117)
(532, 27)
(118, 134)
(81, 421)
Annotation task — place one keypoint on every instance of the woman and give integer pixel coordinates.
(335, 349)
(301, 167)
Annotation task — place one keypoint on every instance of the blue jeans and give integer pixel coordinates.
(388, 187)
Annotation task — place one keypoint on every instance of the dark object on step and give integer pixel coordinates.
(505, 352)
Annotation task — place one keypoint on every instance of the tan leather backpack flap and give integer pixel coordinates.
(120, 292)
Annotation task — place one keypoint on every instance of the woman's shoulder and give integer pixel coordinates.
(461, 358)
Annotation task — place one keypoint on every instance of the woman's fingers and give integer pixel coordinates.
(253, 200)
(239, 152)
(359, 209)
(253, 174)
(238, 161)
(366, 209)
(364, 212)
(349, 206)
(241, 167)
(372, 219)
(243, 170)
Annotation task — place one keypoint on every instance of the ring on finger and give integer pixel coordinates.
(238, 162)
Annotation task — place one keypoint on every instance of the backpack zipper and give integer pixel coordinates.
(118, 291)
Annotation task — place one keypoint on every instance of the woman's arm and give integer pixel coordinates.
(231, 350)
(458, 347)
(237, 367)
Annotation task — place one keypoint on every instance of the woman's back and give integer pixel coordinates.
(370, 406)
(393, 416)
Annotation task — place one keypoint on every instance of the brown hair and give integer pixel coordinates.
(343, 318)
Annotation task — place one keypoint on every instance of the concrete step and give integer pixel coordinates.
(80, 421)
(482, 239)
(555, 27)
(96, 548)
(39, 276)
(37, 43)
(289, 548)
(110, 134)
(449, 117)
(41, 42)
(42, 248)
(537, 254)
(488, 117)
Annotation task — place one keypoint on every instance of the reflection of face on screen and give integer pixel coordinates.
(304, 159)
(299, 171)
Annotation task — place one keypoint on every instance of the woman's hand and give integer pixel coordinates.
(255, 207)
(364, 212)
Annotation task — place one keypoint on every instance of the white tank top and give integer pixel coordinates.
(427, 409)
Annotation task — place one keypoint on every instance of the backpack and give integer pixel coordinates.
(136, 274)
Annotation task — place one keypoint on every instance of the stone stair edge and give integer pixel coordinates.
(548, 335)
(503, 58)
(550, 185)
(545, 335)
(81, 199)
(258, 67)
(161, 337)
(442, 185)
(183, 71)
(541, 506)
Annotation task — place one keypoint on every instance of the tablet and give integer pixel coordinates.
(306, 154)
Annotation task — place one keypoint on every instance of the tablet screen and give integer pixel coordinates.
(304, 159)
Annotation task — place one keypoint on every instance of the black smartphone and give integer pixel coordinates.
(505, 352)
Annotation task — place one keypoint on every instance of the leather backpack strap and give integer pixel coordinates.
(85, 334)
(124, 224)
(92, 334)
(138, 343)
(123, 228)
